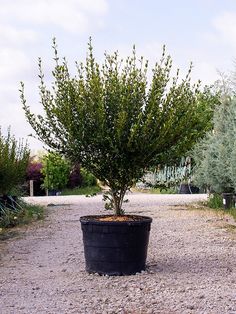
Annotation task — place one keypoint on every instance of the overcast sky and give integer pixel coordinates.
(201, 31)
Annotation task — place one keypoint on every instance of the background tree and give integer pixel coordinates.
(34, 172)
(112, 121)
(75, 177)
(55, 170)
(215, 155)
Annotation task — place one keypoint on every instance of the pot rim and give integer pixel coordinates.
(91, 219)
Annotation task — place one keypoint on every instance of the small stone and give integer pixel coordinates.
(201, 296)
(181, 290)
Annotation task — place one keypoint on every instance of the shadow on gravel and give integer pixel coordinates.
(192, 265)
(8, 235)
(57, 205)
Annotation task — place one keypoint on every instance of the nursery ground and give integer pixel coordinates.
(191, 264)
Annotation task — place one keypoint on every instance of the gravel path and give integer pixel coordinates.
(191, 265)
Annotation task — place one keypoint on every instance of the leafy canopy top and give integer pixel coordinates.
(113, 122)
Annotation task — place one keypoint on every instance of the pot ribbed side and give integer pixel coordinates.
(115, 247)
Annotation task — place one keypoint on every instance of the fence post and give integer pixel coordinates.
(31, 187)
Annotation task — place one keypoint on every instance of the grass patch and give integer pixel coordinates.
(215, 201)
(163, 191)
(214, 204)
(231, 212)
(230, 228)
(88, 190)
(6, 235)
(23, 214)
(156, 190)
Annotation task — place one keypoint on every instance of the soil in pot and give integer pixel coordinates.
(115, 245)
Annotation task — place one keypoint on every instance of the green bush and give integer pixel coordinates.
(56, 171)
(14, 157)
(23, 214)
(88, 179)
(215, 201)
(215, 155)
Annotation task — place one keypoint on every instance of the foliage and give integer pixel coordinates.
(158, 190)
(24, 214)
(75, 178)
(55, 170)
(215, 201)
(215, 155)
(116, 124)
(166, 176)
(34, 172)
(225, 85)
(14, 156)
(87, 190)
(88, 179)
(181, 171)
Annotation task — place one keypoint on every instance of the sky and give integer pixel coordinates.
(198, 31)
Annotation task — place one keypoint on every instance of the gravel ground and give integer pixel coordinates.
(191, 265)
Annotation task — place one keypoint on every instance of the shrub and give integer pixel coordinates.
(14, 157)
(115, 123)
(24, 214)
(215, 155)
(75, 177)
(88, 179)
(56, 171)
(34, 172)
(215, 201)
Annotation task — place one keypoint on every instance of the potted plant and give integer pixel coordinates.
(117, 124)
(186, 186)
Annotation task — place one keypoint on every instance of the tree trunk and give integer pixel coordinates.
(117, 198)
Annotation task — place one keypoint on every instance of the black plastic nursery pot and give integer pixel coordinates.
(115, 248)
(188, 189)
(228, 200)
(52, 192)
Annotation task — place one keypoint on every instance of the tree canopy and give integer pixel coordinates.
(215, 154)
(115, 122)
